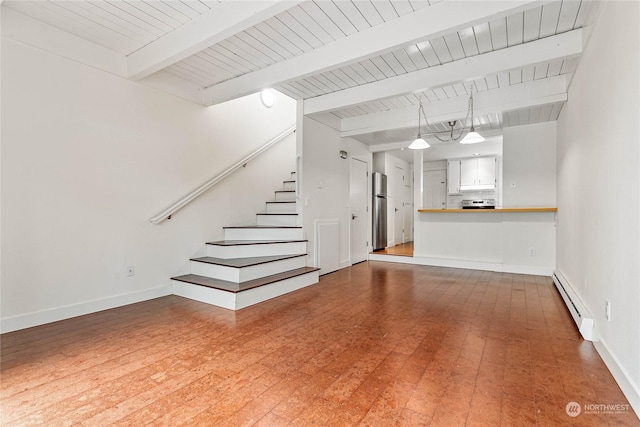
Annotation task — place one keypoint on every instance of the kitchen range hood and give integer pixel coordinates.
(477, 187)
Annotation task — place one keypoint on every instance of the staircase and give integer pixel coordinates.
(253, 263)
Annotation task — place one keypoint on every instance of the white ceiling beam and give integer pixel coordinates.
(540, 51)
(24, 29)
(174, 85)
(426, 23)
(524, 95)
(222, 21)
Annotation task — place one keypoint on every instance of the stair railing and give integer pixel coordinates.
(168, 212)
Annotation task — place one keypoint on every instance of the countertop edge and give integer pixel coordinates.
(496, 210)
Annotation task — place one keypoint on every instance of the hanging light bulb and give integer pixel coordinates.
(472, 137)
(419, 143)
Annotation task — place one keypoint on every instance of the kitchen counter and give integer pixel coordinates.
(496, 210)
(515, 240)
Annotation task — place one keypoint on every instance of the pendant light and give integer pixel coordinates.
(419, 143)
(453, 134)
(472, 137)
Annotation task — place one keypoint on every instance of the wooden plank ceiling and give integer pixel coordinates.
(361, 66)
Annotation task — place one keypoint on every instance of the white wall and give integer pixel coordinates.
(529, 163)
(326, 183)
(88, 158)
(598, 181)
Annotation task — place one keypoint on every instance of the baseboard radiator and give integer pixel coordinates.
(582, 317)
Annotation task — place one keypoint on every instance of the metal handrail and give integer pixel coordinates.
(168, 212)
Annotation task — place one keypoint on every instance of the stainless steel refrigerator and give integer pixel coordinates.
(379, 211)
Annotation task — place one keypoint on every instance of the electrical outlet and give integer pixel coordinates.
(130, 271)
(532, 251)
(607, 310)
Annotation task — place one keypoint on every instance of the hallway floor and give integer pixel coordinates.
(376, 344)
(403, 249)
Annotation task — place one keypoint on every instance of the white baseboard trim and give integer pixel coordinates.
(630, 389)
(465, 264)
(38, 318)
(392, 258)
(344, 264)
(527, 269)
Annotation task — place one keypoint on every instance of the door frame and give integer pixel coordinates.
(368, 216)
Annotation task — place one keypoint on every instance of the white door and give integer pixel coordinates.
(358, 201)
(408, 222)
(398, 207)
(435, 189)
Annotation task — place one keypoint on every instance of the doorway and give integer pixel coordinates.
(435, 189)
(358, 202)
(400, 175)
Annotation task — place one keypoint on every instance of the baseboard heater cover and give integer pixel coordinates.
(584, 320)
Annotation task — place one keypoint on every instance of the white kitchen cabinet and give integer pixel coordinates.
(487, 170)
(478, 174)
(453, 177)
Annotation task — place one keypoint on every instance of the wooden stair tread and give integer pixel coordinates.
(263, 226)
(252, 242)
(239, 287)
(244, 262)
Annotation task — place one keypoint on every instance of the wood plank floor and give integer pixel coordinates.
(377, 344)
(402, 249)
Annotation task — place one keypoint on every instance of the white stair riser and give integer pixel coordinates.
(285, 196)
(247, 251)
(289, 186)
(204, 294)
(238, 275)
(278, 220)
(263, 293)
(263, 234)
(281, 207)
(236, 301)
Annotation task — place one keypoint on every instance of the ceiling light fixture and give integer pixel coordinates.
(470, 135)
(419, 143)
(267, 97)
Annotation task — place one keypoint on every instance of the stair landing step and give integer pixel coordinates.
(244, 262)
(252, 242)
(239, 287)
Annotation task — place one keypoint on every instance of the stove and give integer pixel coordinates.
(479, 204)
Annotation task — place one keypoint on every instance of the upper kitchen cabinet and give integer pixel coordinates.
(478, 174)
(453, 177)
